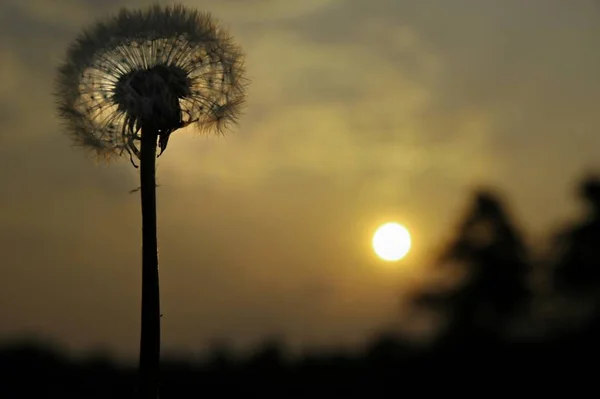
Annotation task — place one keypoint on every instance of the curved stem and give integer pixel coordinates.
(150, 328)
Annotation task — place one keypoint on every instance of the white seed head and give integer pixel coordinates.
(164, 67)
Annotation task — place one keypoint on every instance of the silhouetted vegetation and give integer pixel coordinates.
(503, 333)
(493, 256)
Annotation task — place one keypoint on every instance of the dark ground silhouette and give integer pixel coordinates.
(474, 354)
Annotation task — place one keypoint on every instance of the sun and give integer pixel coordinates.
(391, 241)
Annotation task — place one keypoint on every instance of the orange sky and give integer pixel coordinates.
(358, 112)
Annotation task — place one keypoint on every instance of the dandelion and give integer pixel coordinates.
(126, 85)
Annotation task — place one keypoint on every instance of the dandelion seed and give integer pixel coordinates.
(163, 67)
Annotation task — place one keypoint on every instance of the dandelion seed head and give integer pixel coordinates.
(164, 67)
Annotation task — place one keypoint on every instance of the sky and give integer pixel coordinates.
(359, 112)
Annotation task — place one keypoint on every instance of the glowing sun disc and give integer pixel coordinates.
(391, 242)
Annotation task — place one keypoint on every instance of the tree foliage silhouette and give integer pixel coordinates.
(126, 85)
(577, 247)
(576, 255)
(496, 261)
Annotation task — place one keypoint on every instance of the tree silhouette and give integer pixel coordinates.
(127, 84)
(576, 256)
(577, 248)
(491, 251)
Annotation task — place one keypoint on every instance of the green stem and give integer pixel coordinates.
(150, 328)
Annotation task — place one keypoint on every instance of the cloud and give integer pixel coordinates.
(250, 11)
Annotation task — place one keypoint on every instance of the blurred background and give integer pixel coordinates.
(473, 123)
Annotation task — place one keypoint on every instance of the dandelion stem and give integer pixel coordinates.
(150, 331)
